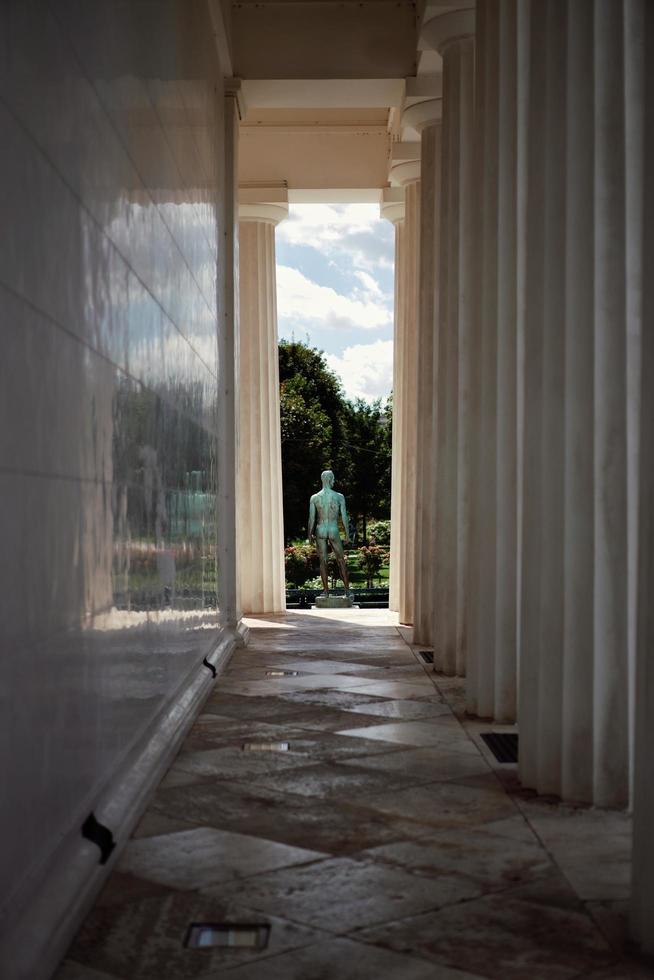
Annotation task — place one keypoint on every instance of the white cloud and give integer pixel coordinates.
(305, 304)
(365, 369)
(354, 231)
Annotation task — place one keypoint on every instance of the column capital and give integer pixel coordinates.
(418, 116)
(270, 214)
(391, 206)
(439, 32)
(402, 174)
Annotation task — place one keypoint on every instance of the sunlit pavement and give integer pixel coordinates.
(333, 789)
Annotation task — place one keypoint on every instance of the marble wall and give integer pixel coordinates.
(111, 134)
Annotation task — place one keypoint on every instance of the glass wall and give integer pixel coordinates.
(111, 129)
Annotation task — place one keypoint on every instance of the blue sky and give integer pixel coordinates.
(335, 286)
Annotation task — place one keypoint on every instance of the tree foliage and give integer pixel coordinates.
(321, 429)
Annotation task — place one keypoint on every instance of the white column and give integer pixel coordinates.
(425, 118)
(452, 35)
(611, 686)
(492, 651)
(574, 677)
(260, 514)
(405, 430)
(640, 24)
(393, 211)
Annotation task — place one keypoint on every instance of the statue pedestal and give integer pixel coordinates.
(334, 602)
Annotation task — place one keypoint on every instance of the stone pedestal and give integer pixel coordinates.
(334, 602)
(261, 531)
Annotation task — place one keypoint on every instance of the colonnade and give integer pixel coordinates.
(537, 572)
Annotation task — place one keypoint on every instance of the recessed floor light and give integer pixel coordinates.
(265, 746)
(281, 673)
(209, 935)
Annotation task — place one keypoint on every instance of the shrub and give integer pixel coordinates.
(379, 532)
(371, 559)
(301, 563)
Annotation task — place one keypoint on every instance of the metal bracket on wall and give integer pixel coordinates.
(98, 834)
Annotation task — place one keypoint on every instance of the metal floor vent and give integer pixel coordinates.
(209, 935)
(503, 745)
(426, 656)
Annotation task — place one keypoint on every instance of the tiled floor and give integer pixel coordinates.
(384, 844)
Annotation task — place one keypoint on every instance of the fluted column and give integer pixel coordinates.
(261, 529)
(393, 211)
(492, 652)
(452, 35)
(574, 667)
(639, 50)
(425, 118)
(409, 388)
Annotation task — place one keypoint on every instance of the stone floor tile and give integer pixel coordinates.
(307, 823)
(240, 709)
(204, 737)
(178, 777)
(428, 765)
(69, 970)
(322, 718)
(192, 859)
(397, 689)
(492, 861)
(341, 894)
(592, 847)
(501, 938)
(336, 782)
(233, 762)
(152, 824)
(332, 699)
(145, 940)
(122, 888)
(445, 805)
(443, 730)
(343, 959)
(405, 710)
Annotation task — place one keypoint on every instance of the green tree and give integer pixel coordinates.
(321, 430)
(313, 430)
(369, 430)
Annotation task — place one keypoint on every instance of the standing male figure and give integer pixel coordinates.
(324, 509)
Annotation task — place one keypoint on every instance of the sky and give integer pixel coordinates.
(335, 290)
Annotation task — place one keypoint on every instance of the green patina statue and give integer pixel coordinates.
(324, 508)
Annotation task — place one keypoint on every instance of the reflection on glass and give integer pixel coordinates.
(164, 500)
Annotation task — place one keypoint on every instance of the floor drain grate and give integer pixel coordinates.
(426, 656)
(265, 746)
(281, 673)
(208, 935)
(503, 745)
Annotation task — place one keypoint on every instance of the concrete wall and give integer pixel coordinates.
(112, 150)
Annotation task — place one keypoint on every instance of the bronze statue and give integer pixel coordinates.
(324, 508)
